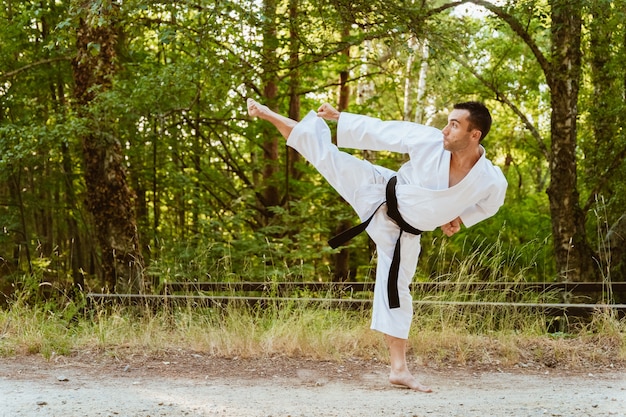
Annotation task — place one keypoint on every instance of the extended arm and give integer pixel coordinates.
(364, 132)
(371, 133)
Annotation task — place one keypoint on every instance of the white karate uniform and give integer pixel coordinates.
(424, 199)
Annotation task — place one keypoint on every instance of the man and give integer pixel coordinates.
(448, 181)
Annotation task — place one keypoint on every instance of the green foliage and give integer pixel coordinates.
(196, 161)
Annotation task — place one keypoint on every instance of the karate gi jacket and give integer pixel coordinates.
(424, 199)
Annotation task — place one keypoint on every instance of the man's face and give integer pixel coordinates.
(457, 135)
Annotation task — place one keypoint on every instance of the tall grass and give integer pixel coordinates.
(242, 331)
(442, 335)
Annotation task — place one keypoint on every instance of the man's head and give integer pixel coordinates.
(479, 117)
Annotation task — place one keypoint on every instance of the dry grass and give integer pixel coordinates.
(441, 336)
(438, 338)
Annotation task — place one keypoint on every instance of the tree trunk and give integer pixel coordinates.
(75, 246)
(573, 255)
(271, 194)
(22, 238)
(341, 260)
(600, 149)
(293, 157)
(421, 83)
(408, 78)
(109, 199)
(156, 189)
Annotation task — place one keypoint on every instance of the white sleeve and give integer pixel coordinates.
(364, 132)
(489, 205)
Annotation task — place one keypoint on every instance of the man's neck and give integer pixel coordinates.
(462, 162)
(466, 158)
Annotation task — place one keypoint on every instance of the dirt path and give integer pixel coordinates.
(193, 385)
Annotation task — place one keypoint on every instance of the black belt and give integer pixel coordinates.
(394, 214)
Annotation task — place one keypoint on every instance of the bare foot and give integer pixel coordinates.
(405, 379)
(257, 110)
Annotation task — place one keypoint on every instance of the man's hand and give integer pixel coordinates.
(328, 112)
(451, 228)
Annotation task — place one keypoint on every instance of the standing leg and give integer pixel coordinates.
(395, 323)
(400, 374)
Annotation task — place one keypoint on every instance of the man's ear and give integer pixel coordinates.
(476, 135)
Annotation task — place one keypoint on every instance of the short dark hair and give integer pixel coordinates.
(479, 117)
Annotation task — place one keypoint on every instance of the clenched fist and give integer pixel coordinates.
(328, 112)
(451, 228)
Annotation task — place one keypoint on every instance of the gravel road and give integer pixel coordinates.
(194, 385)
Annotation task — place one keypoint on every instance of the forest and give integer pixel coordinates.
(127, 158)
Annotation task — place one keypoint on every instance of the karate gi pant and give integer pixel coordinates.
(362, 185)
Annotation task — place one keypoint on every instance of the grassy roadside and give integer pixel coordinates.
(441, 337)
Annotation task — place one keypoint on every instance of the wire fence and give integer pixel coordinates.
(575, 299)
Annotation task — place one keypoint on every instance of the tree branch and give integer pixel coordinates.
(13, 73)
(501, 97)
(446, 6)
(517, 27)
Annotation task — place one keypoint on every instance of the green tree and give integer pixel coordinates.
(109, 198)
(561, 66)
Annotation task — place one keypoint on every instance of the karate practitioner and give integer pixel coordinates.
(447, 182)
